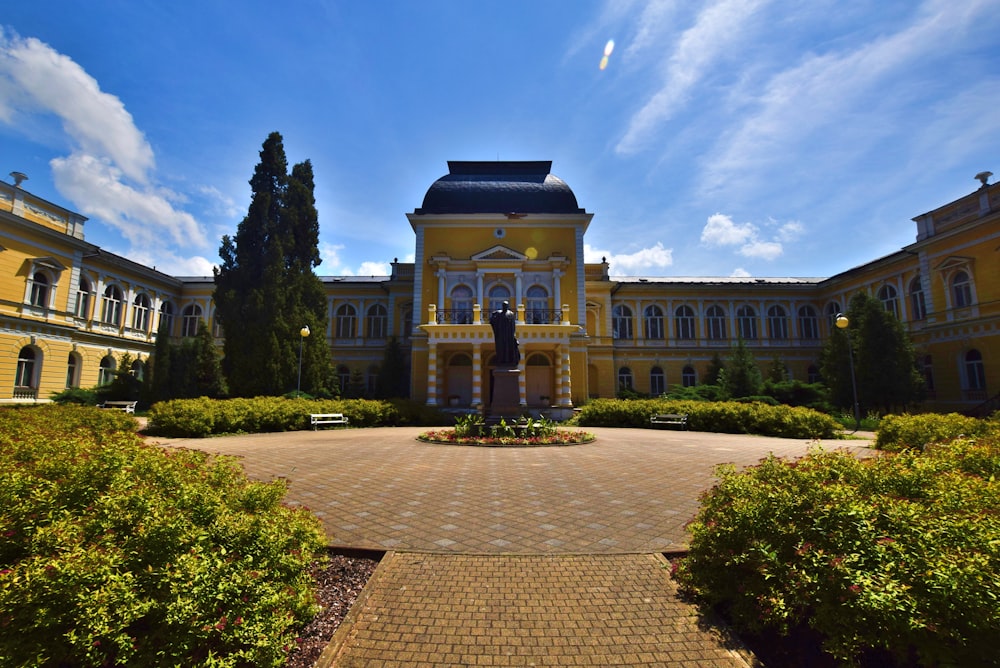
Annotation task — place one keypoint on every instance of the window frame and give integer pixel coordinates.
(345, 322)
(621, 319)
(377, 321)
(652, 318)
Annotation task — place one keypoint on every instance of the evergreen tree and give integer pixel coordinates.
(886, 371)
(394, 376)
(208, 380)
(776, 372)
(742, 377)
(158, 378)
(266, 291)
(715, 368)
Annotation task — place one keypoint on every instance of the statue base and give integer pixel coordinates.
(505, 393)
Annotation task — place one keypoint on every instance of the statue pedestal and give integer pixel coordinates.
(505, 395)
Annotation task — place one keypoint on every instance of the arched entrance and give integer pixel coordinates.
(538, 380)
(458, 380)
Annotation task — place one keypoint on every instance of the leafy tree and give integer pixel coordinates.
(884, 360)
(742, 377)
(266, 291)
(125, 386)
(394, 376)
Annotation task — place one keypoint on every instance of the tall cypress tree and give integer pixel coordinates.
(266, 291)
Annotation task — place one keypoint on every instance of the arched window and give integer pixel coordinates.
(887, 295)
(73, 370)
(39, 295)
(83, 293)
(111, 306)
(715, 323)
(25, 377)
(961, 290)
(344, 323)
(344, 378)
(621, 322)
(461, 305)
(653, 322)
(684, 323)
(138, 370)
(657, 381)
(688, 376)
(625, 379)
(190, 319)
(746, 321)
(808, 323)
(812, 374)
(832, 311)
(106, 374)
(498, 295)
(777, 323)
(407, 324)
(975, 372)
(537, 311)
(918, 305)
(166, 318)
(140, 313)
(378, 321)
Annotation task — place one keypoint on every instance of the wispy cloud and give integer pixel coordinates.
(333, 264)
(721, 231)
(716, 28)
(109, 172)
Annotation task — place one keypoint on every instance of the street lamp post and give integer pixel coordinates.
(303, 333)
(843, 323)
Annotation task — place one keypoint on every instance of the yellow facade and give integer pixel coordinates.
(492, 232)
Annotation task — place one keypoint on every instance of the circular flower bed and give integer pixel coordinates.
(555, 437)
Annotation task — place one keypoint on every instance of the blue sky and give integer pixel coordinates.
(723, 138)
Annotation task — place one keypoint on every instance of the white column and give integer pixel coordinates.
(517, 290)
(432, 374)
(441, 275)
(477, 374)
(567, 385)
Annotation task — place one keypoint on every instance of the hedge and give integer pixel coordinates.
(116, 552)
(898, 554)
(197, 418)
(724, 416)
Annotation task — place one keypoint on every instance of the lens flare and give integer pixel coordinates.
(608, 48)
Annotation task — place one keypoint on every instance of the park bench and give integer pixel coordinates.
(670, 419)
(126, 406)
(317, 419)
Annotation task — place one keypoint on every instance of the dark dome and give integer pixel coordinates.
(499, 187)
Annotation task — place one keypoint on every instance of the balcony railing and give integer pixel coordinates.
(25, 393)
(467, 317)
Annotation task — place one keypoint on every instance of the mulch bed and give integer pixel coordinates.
(339, 582)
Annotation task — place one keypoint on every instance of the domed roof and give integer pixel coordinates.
(499, 187)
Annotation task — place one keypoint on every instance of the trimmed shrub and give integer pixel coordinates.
(899, 432)
(197, 418)
(116, 552)
(724, 416)
(898, 554)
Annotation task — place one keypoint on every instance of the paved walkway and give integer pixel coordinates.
(512, 556)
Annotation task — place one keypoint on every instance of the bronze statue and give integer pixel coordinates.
(502, 322)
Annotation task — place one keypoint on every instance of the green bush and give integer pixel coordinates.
(898, 554)
(899, 432)
(120, 553)
(723, 416)
(197, 418)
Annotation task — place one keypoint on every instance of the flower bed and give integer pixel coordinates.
(560, 437)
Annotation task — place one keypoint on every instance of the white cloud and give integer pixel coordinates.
(762, 250)
(790, 231)
(720, 230)
(740, 272)
(145, 218)
(333, 265)
(108, 173)
(45, 79)
(652, 259)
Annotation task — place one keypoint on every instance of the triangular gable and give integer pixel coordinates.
(49, 262)
(499, 253)
(953, 262)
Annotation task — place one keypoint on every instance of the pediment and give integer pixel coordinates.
(48, 262)
(953, 262)
(499, 253)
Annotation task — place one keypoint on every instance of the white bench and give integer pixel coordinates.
(126, 406)
(316, 419)
(672, 419)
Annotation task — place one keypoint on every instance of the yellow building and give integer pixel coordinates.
(489, 232)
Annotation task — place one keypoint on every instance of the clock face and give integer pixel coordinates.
(499, 233)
